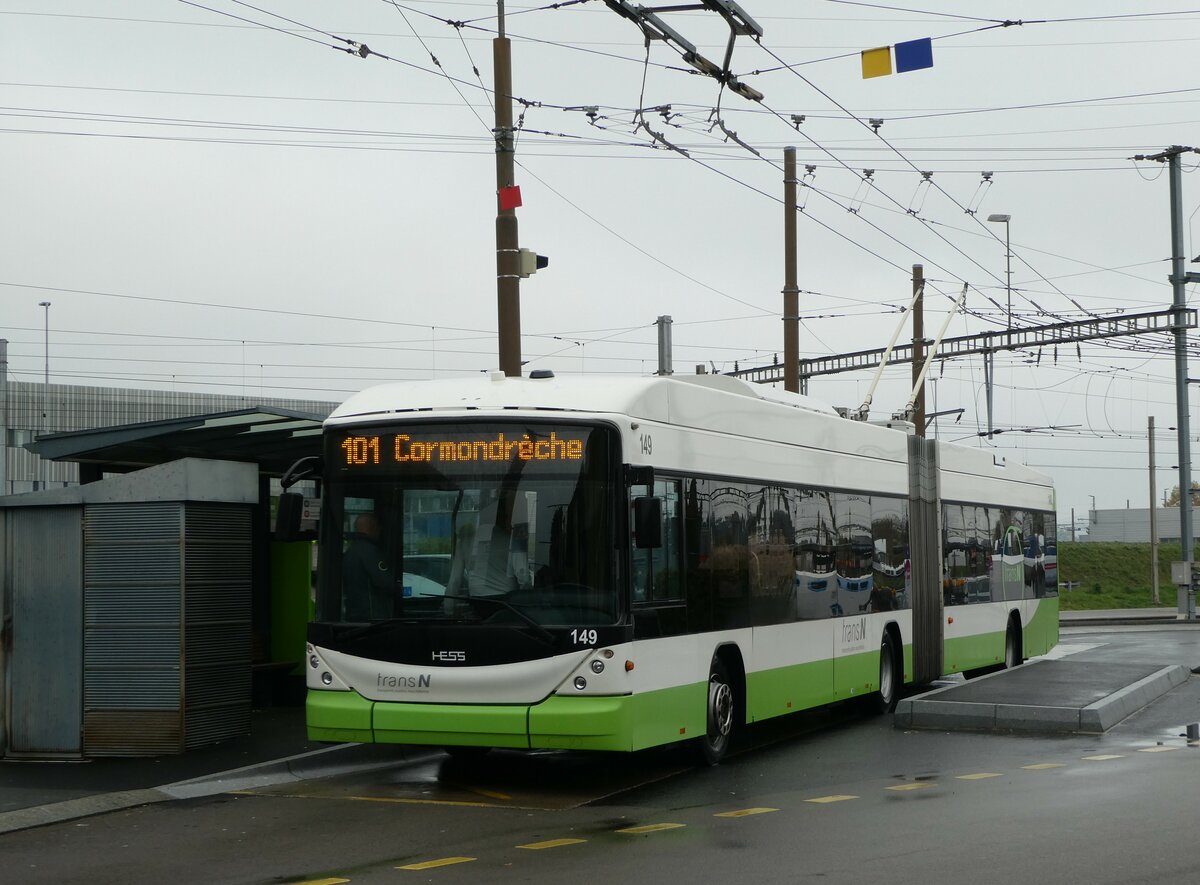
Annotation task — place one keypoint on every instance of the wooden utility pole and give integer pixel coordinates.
(5, 488)
(918, 346)
(1153, 517)
(1186, 596)
(508, 261)
(791, 293)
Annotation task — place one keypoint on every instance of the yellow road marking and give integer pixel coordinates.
(491, 794)
(1156, 749)
(552, 843)
(920, 785)
(824, 800)
(417, 801)
(1042, 766)
(979, 776)
(651, 828)
(1104, 757)
(441, 862)
(745, 812)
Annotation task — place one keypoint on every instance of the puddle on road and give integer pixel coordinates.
(550, 780)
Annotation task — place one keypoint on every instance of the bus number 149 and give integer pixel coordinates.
(583, 637)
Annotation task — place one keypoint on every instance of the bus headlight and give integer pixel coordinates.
(597, 666)
(580, 683)
(327, 678)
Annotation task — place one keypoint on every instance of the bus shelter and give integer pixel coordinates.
(147, 611)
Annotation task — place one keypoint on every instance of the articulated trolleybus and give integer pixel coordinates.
(619, 563)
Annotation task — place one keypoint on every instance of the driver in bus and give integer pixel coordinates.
(369, 586)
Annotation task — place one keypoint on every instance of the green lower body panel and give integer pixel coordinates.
(338, 716)
(453, 724)
(973, 652)
(583, 723)
(803, 686)
(788, 689)
(856, 675)
(620, 723)
(1041, 633)
(668, 715)
(987, 649)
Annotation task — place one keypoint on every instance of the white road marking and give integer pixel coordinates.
(1063, 649)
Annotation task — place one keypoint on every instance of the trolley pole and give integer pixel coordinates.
(508, 261)
(918, 348)
(791, 293)
(666, 359)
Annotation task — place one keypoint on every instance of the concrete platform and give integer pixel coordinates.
(1045, 696)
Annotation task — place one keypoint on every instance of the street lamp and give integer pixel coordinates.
(996, 219)
(45, 468)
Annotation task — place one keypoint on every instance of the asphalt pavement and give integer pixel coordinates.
(276, 751)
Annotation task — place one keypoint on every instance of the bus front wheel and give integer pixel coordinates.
(720, 706)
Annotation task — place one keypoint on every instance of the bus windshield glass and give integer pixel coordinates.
(491, 523)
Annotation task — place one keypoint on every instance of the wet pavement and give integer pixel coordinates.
(1044, 697)
(276, 755)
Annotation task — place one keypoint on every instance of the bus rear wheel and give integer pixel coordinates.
(890, 677)
(719, 716)
(1012, 645)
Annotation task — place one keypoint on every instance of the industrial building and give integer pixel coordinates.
(30, 410)
(1132, 525)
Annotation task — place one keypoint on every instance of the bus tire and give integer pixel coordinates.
(890, 677)
(719, 707)
(1012, 645)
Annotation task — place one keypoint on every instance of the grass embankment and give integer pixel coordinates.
(1107, 575)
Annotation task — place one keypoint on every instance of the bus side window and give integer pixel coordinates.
(656, 572)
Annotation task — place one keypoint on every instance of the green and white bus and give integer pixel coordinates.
(615, 563)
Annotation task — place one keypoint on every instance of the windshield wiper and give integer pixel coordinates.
(492, 600)
(373, 627)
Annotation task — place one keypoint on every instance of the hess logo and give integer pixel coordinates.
(450, 657)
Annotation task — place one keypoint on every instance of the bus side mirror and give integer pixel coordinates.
(647, 523)
(639, 476)
(287, 518)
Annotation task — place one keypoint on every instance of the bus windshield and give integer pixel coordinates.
(469, 523)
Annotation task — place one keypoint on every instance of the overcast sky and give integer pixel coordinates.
(214, 198)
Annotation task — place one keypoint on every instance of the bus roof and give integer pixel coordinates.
(670, 399)
(638, 397)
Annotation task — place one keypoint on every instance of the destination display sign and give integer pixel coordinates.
(500, 447)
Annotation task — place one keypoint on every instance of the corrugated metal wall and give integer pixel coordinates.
(167, 626)
(217, 589)
(133, 658)
(43, 568)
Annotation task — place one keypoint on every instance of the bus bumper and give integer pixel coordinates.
(568, 723)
